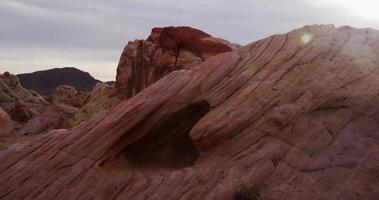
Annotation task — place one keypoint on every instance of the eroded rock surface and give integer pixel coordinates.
(143, 62)
(289, 116)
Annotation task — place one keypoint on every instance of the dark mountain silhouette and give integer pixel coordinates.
(44, 82)
(110, 83)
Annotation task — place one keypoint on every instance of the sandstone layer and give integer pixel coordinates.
(292, 116)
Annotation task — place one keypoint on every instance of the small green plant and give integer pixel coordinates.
(243, 193)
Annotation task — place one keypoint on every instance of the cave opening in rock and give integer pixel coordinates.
(169, 145)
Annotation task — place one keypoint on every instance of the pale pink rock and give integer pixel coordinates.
(287, 119)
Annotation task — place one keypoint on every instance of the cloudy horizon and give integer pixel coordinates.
(91, 34)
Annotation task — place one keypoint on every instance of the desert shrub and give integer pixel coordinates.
(243, 193)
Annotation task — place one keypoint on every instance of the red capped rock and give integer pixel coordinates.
(143, 62)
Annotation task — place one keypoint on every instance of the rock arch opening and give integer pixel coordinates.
(169, 145)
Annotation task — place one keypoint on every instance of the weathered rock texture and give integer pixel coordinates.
(143, 62)
(291, 118)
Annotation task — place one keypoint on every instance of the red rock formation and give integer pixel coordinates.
(289, 116)
(143, 62)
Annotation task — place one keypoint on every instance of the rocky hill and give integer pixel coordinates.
(45, 82)
(143, 62)
(19, 103)
(32, 114)
(292, 116)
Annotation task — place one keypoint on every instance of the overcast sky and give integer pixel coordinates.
(90, 34)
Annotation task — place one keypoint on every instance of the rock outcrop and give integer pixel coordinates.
(21, 104)
(32, 114)
(292, 116)
(143, 62)
(101, 98)
(67, 95)
(44, 82)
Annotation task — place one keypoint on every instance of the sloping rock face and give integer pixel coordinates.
(44, 82)
(143, 62)
(292, 116)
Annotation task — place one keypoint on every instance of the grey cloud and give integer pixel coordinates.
(90, 34)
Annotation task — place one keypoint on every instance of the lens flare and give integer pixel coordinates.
(306, 38)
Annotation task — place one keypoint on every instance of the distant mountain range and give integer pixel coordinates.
(45, 82)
